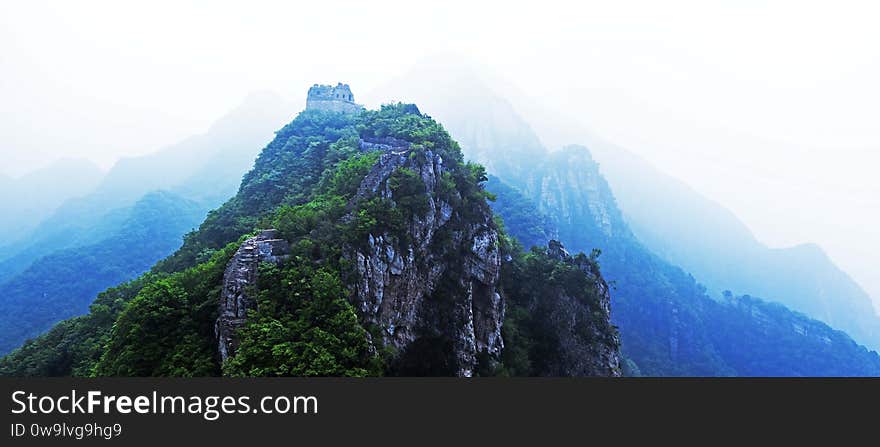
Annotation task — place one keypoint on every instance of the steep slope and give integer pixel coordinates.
(62, 285)
(567, 186)
(801, 277)
(665, 316)
(552, 328)
(432, 284)
(384, 258)
(658, 308)
(771, 340)
(668, 324)
(205, 168)
(27, 200)
(522, 219)
(700, 236)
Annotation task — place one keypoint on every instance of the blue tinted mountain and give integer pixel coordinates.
(669, 325)
(664, 314)
(206, 169)
(198, 174)
(64, 283)
(710, 242)
(29, 199)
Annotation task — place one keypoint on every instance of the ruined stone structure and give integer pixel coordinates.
(334, 99)
(239, 280)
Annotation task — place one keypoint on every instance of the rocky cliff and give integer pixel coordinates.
(588, 347)
(440, 281)
(567, 185)
(560, 315)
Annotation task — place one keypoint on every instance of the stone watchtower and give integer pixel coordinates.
(334, 99)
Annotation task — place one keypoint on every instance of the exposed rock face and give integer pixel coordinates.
(438, 286)
(569, 187)
(239, 280)
(588, 344)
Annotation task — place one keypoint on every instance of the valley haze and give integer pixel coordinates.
(727, 153)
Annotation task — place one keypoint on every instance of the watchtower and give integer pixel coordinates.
(335, 99)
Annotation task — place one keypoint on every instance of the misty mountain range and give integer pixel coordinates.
(711, 243)
(193, 176)
(668, 217)
(670, 253)
(30, 199)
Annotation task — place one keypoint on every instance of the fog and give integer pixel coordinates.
(769, 108)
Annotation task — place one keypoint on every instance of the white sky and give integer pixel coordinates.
(770, 108)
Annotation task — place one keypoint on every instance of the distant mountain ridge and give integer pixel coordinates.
(196, 174)
(668, 324)
(667, 216)
(64, 283)
(27, 200)
(801, 277)
(205, 168)
(665, 316)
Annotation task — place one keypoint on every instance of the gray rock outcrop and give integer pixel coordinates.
(438, 285)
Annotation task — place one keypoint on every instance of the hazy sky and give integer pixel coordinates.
(770, 108)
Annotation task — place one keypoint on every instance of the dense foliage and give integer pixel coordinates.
(285, 172)
(74, 346)
(167, 328)
(532, 280)
(303, 326)
(303, 184)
